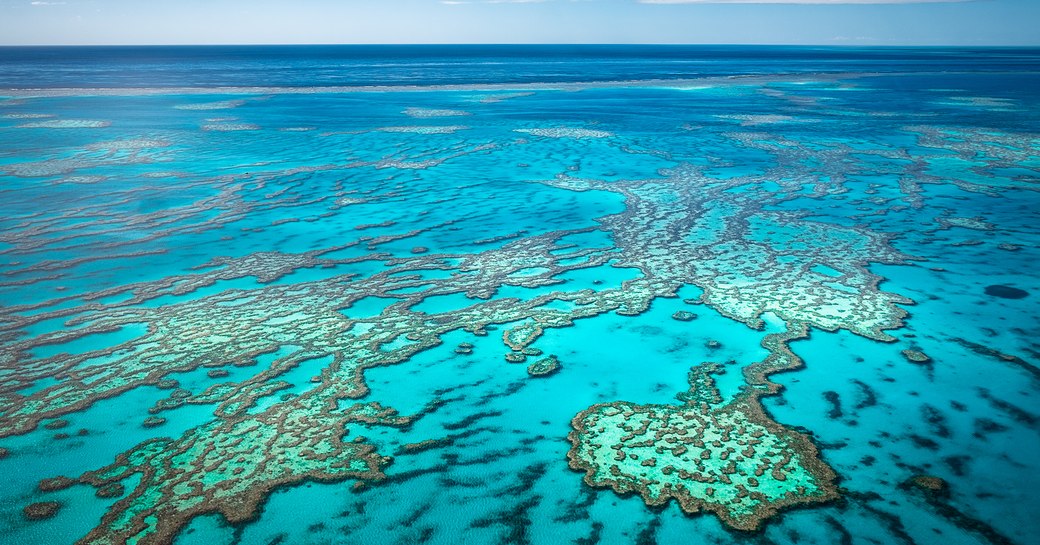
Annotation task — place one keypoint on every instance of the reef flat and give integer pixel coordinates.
(580, 312)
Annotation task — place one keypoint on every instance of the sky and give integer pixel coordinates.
(826, 22)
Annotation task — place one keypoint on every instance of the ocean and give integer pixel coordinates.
(519, 294)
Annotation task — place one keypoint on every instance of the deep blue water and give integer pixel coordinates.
(358, 65)
(220, 266)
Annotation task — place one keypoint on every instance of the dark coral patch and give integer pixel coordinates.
(153, 421)
(544, 367)
(1006, 292)
(56, 424)
(42, 510)
(55, 484)
(112, 490)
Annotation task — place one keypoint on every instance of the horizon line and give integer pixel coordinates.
(528, 44)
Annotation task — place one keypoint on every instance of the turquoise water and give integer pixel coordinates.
(275, 304)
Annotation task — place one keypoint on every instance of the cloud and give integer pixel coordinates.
(818, 2)
(458, 2)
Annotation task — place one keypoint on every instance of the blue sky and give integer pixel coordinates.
(836, 22)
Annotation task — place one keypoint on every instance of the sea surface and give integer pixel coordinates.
(519, 294)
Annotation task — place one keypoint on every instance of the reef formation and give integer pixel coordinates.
(746, 242)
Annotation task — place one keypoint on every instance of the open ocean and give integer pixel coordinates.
(611, 295)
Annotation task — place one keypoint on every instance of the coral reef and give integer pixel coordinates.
(684, 316)
(731, 459)
(916, 356)
(544, 367)
(753, 253)
(41, 510)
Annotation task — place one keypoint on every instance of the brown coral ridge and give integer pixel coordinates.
(243, 462)
(916, 356)
(521, 336)
(544, 367)
(56, 483)
(42, 510)
(933, 486)
(685, 438)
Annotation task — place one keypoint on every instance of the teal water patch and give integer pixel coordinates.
(298, 380)
(242, 285)
(825, 270)
(606, 275)
(92, 342)
(437, 304)
(931, 418)
(367, 307)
